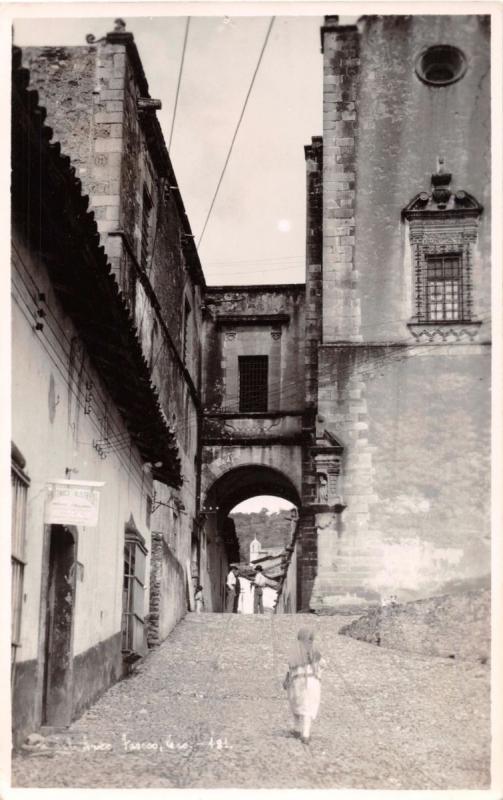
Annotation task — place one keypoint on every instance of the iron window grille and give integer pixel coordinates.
(443, 284)
(444, 288)
(253, 383)
(133, 621)
(19, 486)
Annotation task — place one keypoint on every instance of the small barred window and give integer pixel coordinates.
(444, 288)
(253, 383)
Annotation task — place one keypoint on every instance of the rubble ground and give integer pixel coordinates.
(207, 709)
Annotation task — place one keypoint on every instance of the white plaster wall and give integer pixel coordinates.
(41, 390)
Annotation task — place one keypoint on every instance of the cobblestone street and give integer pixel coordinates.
(206, 709)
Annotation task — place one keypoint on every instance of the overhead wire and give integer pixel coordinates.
(184, 48)
(236, 131)
(287, 391)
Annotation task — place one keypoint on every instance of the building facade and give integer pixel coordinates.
(107, 311)
(80, 397)
(404, 352)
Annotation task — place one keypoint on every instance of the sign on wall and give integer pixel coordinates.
(72, 503)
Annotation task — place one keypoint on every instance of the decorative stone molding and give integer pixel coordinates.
(327, 455)
(276, 332)
(442, 200)
(328, 468)
(230, 336)
(443, 227)
(444, 334)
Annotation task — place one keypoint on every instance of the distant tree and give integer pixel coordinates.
(272, 530)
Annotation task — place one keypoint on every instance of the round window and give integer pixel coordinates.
(440, 65)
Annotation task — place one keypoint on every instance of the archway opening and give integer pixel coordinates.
(251, 522)
(265, 527)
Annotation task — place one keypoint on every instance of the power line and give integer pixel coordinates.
(187, 25)
(300, 257)
(237, 129)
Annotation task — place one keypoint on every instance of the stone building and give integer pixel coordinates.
(99, 106)
(81, 395)
(107, 309)
(400, 209)
(363, 396)
(254, 422)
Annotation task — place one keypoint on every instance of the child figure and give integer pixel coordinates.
(198, 599)
(302, 683)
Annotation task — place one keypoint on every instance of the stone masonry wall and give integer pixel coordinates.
(307, 542)
(282, 342)
(341, 311)
(92, 98)
(82, 89)
(413, 420)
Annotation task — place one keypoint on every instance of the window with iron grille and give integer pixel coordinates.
(253, 383)
(133, 621)
(444, 288)
(146, 224)
(19, 486)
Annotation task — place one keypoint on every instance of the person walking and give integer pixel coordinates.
(302, 683)
(233, 588)
(258, 591)
(198, 599)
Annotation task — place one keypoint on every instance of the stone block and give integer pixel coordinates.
(106, 225)
(108, 145)
(105, 199)
(112, 212)
(111, 94)
(114, 246)
(116, 131)
(108, 117)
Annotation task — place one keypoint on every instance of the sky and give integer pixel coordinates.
(256, 232)
(256, 504)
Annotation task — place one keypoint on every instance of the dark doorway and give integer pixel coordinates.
(57, 696)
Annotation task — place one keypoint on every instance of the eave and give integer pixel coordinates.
(49, 208)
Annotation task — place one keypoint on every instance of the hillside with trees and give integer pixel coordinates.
(272, 530)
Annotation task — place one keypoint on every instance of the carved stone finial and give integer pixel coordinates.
(90, 38)
(120, 25)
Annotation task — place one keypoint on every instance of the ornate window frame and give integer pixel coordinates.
(442, 222)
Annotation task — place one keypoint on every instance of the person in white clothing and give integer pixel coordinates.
(302, 683)
(232, 588)
(258, 591)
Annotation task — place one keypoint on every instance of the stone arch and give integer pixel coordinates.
(248, 480)
(236, 484)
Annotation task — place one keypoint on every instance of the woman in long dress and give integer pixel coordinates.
(302, 683)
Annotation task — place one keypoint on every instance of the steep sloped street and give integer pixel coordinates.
(206, 709)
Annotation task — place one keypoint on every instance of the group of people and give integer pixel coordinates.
(233, 589)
